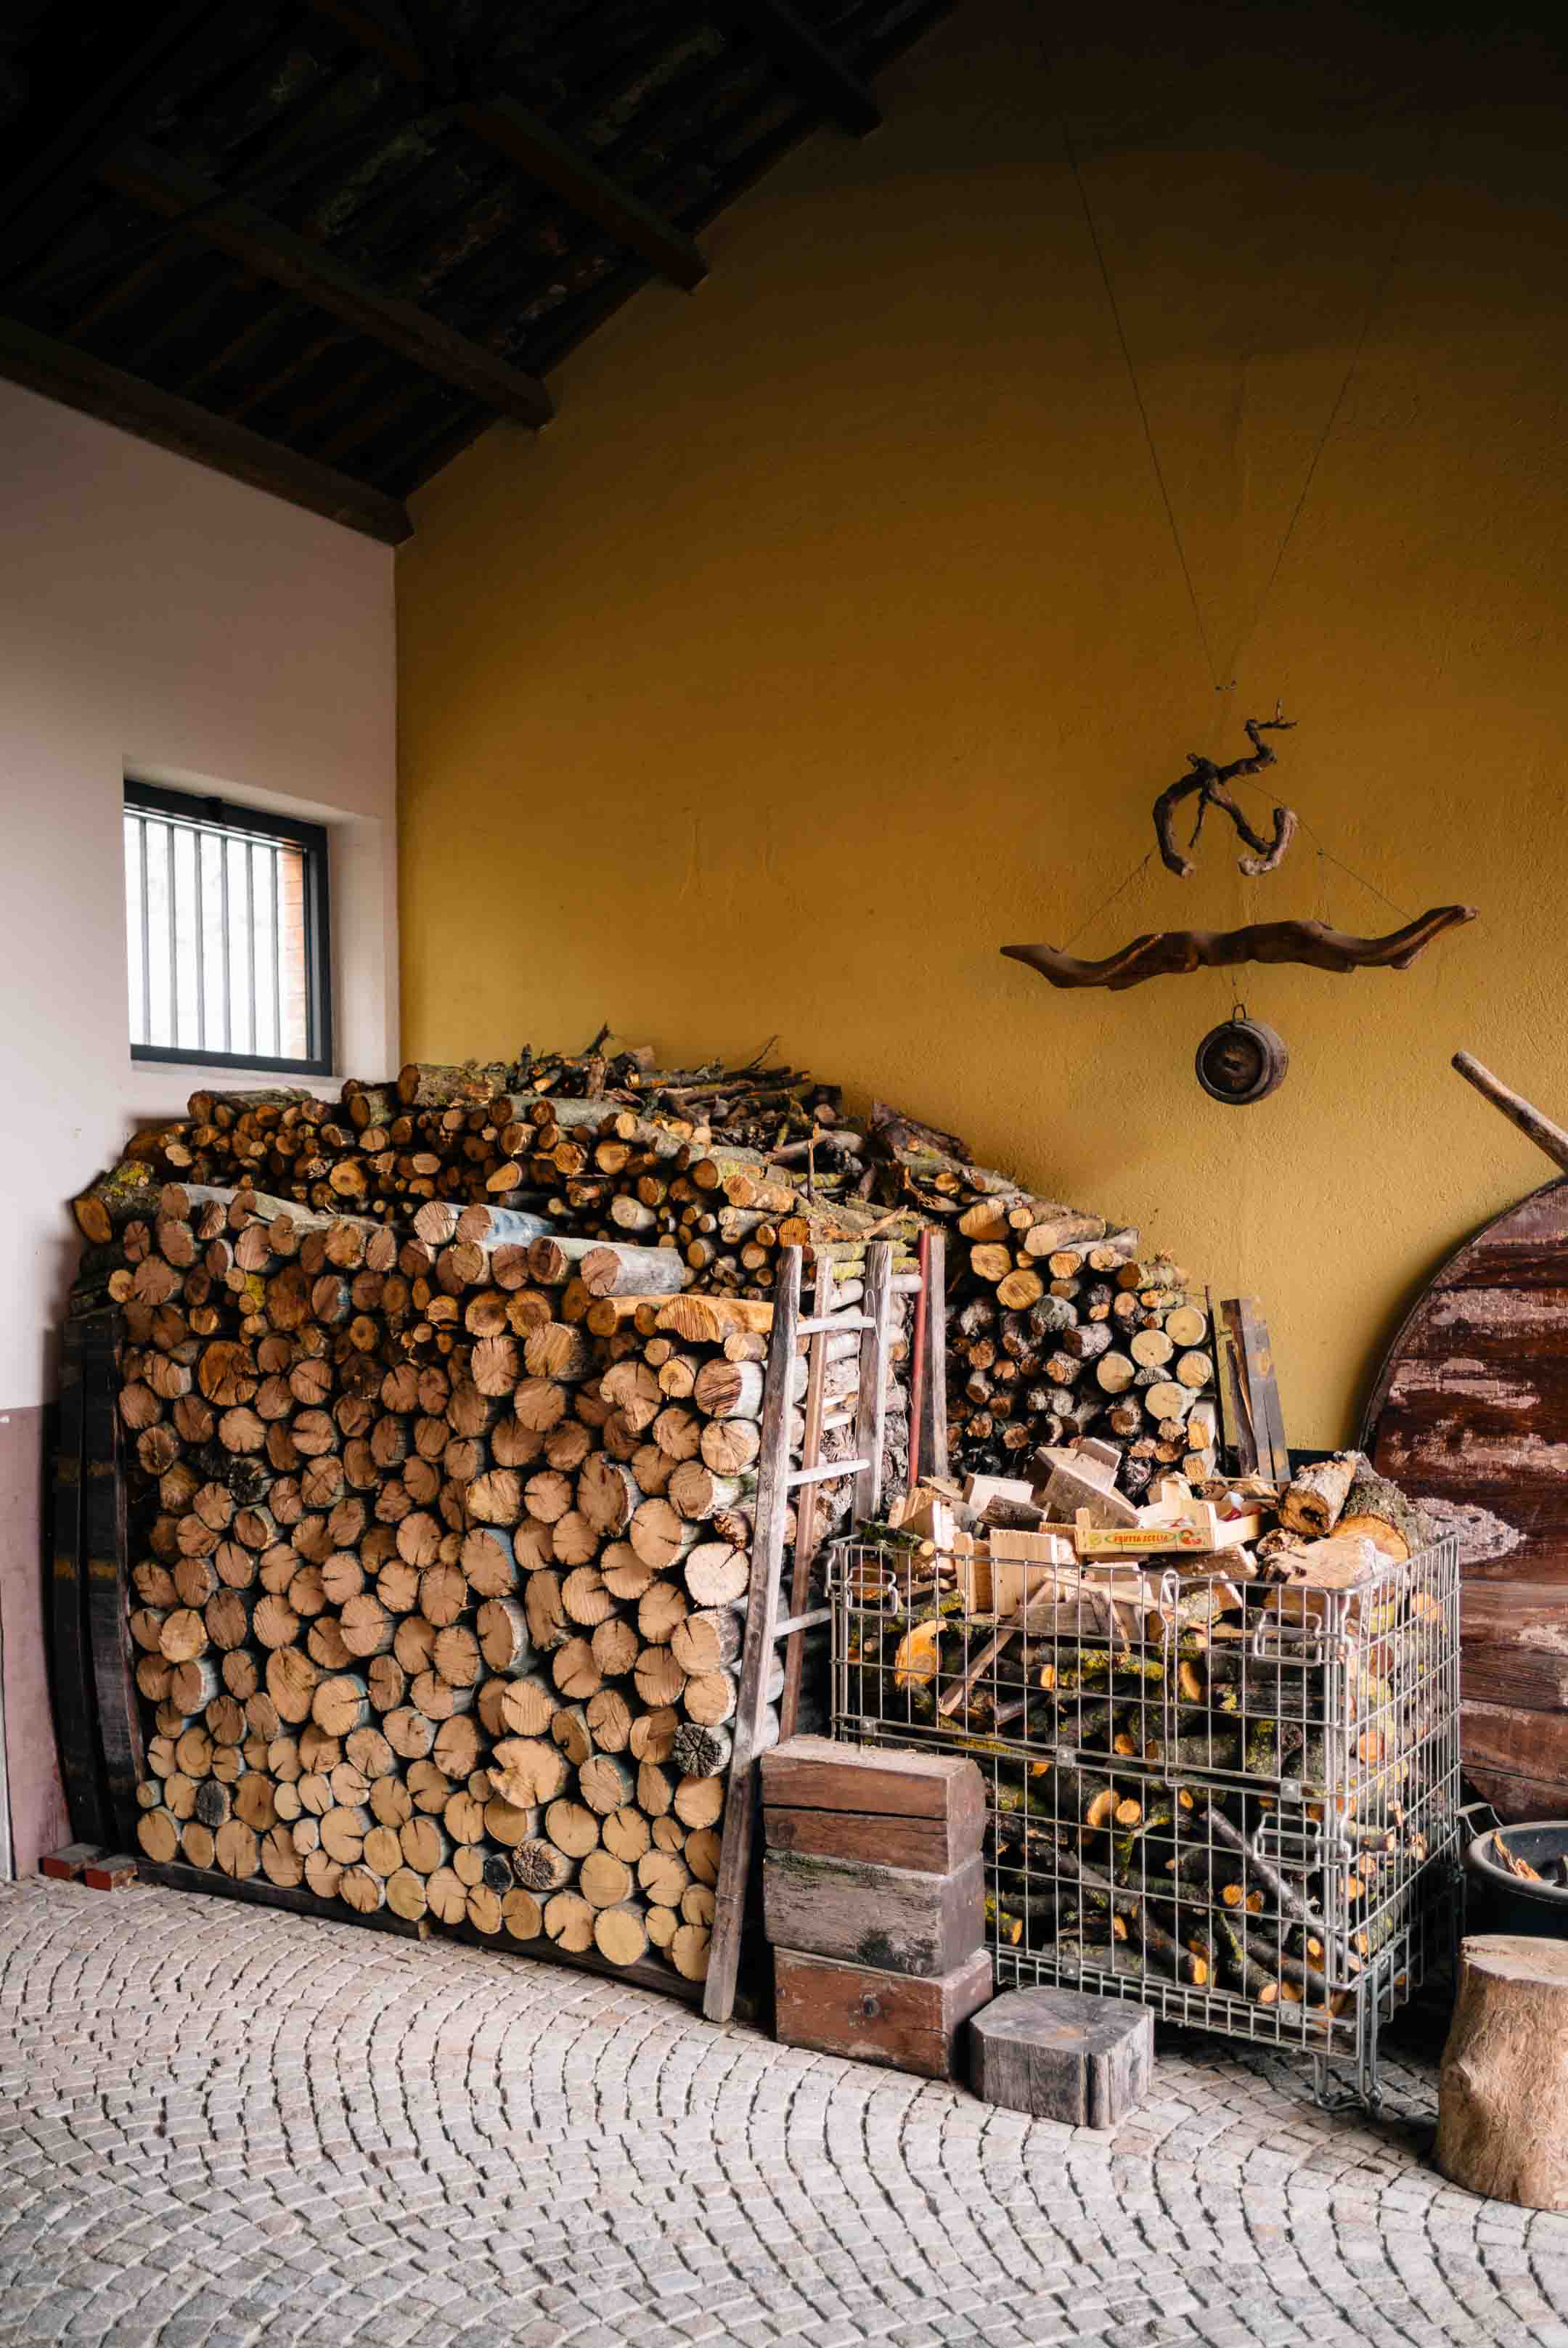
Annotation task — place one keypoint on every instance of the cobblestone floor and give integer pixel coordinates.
(224, 2127)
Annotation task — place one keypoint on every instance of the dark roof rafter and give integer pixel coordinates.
(61, 372)
(570, 174)
(200, 209)
(818, 71)
(321, 244)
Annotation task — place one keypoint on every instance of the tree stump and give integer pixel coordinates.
(1059, 2055)
(1502, 2096)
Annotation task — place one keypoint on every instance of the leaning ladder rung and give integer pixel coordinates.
(839, 1419)
(829, 1325)
(804, 1622)
(830, 1472)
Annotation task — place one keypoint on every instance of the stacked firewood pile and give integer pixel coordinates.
(439, 1545)
(1058, 1328)
(1218, 1731)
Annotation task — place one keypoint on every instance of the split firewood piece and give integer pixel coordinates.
(1316, 1495)
(1379, 1511)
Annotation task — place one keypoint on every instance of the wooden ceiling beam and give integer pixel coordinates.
(60, 372)
(535, 149)
(41, 197)
(818, 72)
(164, 185)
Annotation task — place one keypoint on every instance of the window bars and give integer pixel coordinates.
(1235, 1803)
(226, 935)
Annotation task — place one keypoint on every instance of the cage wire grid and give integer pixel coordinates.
(1237, 1804)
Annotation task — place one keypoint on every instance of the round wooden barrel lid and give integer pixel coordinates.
(1241, 1061)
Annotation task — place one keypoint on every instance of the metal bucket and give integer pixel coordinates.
(1499, 1901)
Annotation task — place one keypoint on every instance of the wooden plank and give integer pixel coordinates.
(95, 388)
(165, 185)
(1507, 1737)
(807, 1510)
(816, 1773)
(893, 2019)
(1238, 1438)
(1060, 2054)
(255, 1891)
(757, 1653)
(1263, 1392)
(647, 1972)
(901, 1920)
(258, 1892)
(1470, 1404)
(933, 1419)
(818, 72)
(552, 161)
(73, 1695)
(932, 1845)
(108, 1575)
(871, 1412)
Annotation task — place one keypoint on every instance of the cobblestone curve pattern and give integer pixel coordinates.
(225, 2127)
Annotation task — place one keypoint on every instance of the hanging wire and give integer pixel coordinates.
(1379, 293)
(1138, 399)
(1379, 297)
(1121, 885)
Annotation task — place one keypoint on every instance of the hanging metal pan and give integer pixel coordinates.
(1241, 1061)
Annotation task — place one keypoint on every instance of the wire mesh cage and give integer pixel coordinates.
(1238, 1802)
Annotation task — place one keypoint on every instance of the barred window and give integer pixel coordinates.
(226, 935)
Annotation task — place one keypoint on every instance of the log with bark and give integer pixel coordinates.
(433, 1598)
(1171, 1792)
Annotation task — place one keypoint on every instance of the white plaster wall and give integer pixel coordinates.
(159, 617)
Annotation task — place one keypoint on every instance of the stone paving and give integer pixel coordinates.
(225, 2127)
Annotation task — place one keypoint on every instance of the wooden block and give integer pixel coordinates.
(895, 1919)
(1015, 1585)
(65, 1865)
(1326, 1577)
(112, 1872)
(1059, 2055)
(873, 2016)
(930, 1846)
(1029, 1549)
(980, 1489)
(814, 1773)
(973, 1567)
(1068, 1492)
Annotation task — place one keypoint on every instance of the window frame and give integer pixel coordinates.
(205, 809)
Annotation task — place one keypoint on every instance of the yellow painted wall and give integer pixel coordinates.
(834, 636)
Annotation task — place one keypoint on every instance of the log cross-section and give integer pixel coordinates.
(165, 185)
(543, 154)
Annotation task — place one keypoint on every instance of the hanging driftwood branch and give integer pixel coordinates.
(1172, 954)
(1209, 782)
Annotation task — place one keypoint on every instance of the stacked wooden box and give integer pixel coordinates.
(874, 1902)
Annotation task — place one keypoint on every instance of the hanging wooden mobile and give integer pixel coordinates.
(1241, 1060)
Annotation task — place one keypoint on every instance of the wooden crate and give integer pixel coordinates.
(897, 2020)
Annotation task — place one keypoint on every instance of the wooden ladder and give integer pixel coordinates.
(777, 1483)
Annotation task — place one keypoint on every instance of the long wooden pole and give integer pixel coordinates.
(1546, 1136)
